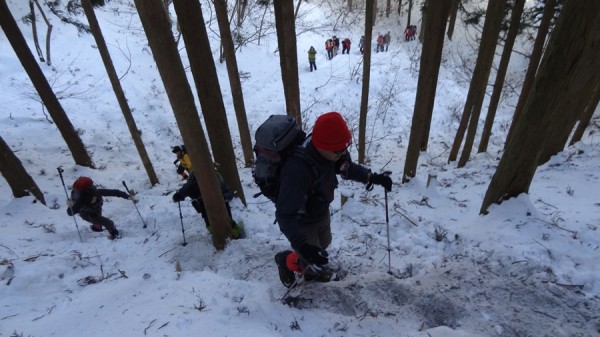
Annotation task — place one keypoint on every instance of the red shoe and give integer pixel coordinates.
(96, 228)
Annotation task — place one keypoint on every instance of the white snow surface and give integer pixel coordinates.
(531, 267)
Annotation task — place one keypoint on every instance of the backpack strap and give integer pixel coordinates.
(300, 154)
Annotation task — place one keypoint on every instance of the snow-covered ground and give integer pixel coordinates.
(531, 267)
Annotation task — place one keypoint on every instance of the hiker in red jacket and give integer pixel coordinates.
(86, 200)
(329, 47)
(346, 46)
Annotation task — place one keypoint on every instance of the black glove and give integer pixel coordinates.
(381, 179)
(314, 254)
(176, 161)
(178, 197)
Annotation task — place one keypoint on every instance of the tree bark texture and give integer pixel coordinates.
(204, 72)
(586, 117)
(426, 87)
(165, 53)
(288, 57)
(534, 62)
(557, 75)
(452, 18)
(16, 176)
(116, 85)
(364, 97)
(56, 111)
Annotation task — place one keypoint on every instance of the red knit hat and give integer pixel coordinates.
(82, 183)
(331, 133)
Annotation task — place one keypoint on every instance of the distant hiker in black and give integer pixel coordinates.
(302, 207)
(87, 200)
(190, 189)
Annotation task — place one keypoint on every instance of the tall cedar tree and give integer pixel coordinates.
(515, 21)
(164, 49)
(559, 75)
(481, 73)
(204, 72)
(587, 114)
(364, 98)
(56, 111)
(534, 62)
(116, 84)
(234, 78)
(288, 57)
(16, 176)
(426, 87)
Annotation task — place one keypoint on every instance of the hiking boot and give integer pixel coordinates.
(114, 235)
(286, 276)
(96, 228)
(324, 275)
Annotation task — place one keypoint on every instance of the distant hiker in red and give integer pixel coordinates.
(329, 47)
(380, 42)
(87, 200)
(410, 32)
(346, 46)
(307, 184)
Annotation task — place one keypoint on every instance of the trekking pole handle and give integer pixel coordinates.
(126, 188)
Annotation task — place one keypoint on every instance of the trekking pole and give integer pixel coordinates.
(136, 208)
(387, 223)
(60, 171)
(182, 229)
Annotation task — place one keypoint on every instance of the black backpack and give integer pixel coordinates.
(277, 139)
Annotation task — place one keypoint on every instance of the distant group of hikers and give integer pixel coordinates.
(332, 45)
(302, 205)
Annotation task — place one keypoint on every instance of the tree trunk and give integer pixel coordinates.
(452, 18)
(208, 89)
(234, 81)
(116, 84)
(586, 116)
(574, 104)
(156, 25)
(18, 179)
(241, 12)
(481, 73)
(534, 61)
(56, 111)
(515, 21)
(424, 18)
(364, 99)
(288, 56)
(388, 8)
(374, 16)
(557, 73)
(399, 8)
(410, 6)
(426, 87)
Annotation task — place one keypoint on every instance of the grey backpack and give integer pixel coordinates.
(276, 139)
